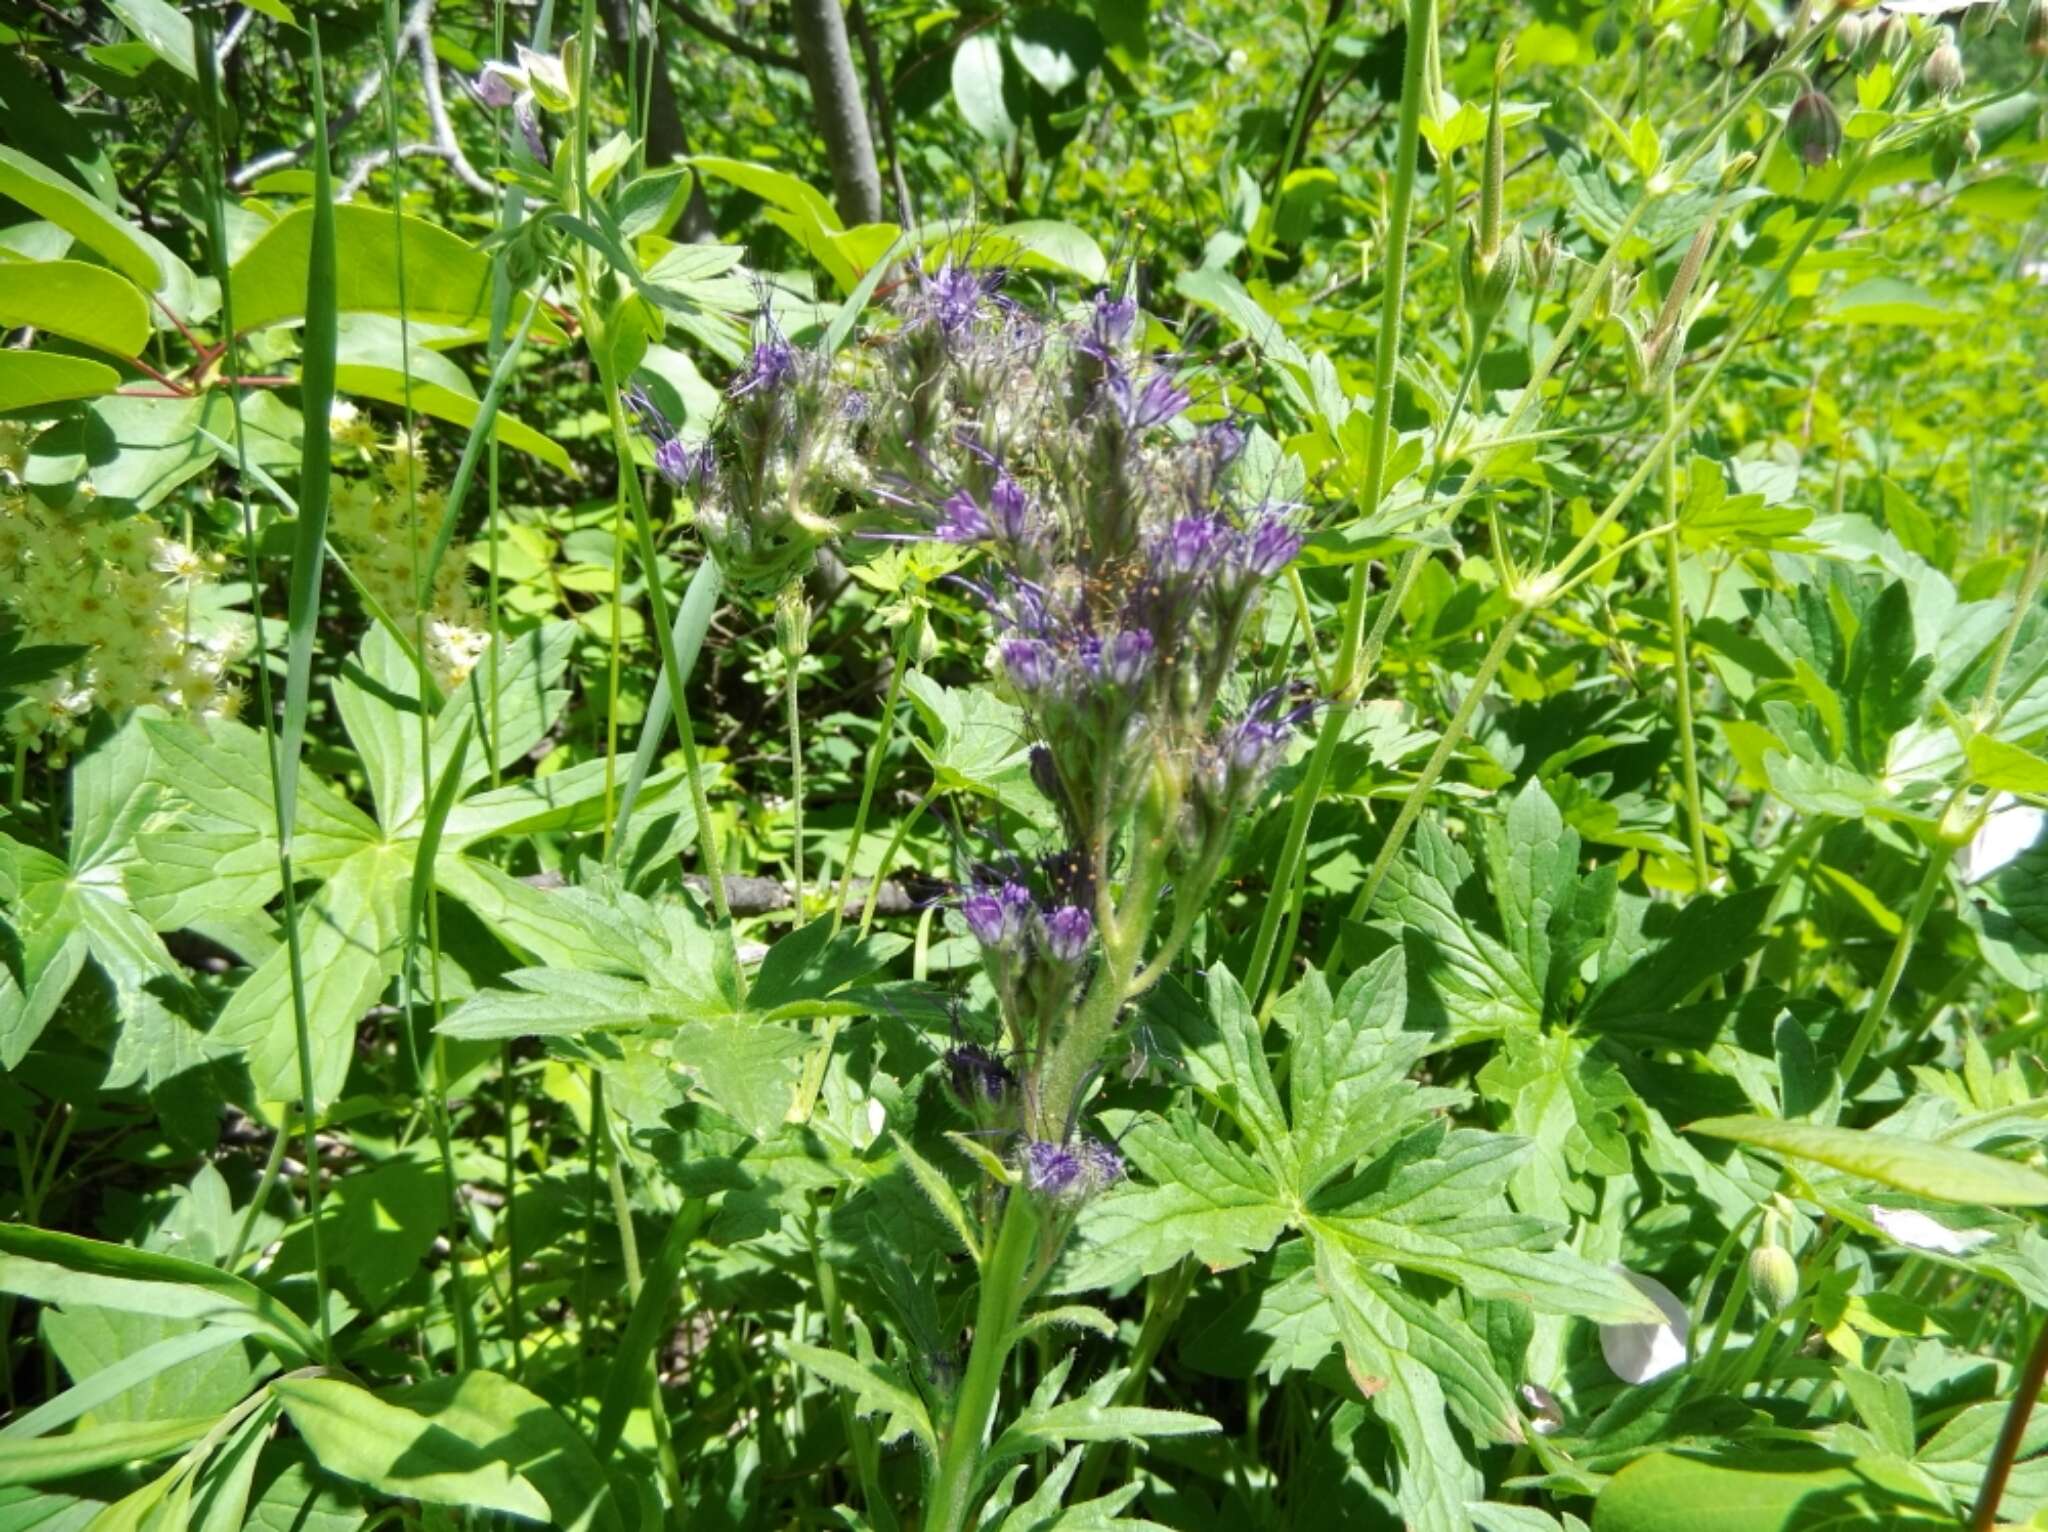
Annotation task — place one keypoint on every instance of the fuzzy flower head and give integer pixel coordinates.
(1071, 1172)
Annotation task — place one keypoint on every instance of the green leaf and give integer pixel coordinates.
(1049, 1422)
(1222, 292)
(168, 34)
(2006, 768)
(1348, 1086)
(446, 281)
(1893, 301)
(1784, 1492)
(41, 1459)
(876, 1389)
(88, 304)
(1436, 1481)
(974, 741)
(32, 378)
(64, 1269)
(1941, 1171)
(1709, 936)
(476, 1440)
(943, 1197)
(978, 88)
(1208, 1200)
(139, 257)
(459, 406)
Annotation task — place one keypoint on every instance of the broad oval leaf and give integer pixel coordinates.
(1789, 1492)
(31, 378)
(446, 281)
(80, 302)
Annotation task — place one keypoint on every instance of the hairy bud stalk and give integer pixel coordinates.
(1492, 261)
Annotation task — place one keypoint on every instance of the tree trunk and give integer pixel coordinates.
(842, 120)
(666, 140)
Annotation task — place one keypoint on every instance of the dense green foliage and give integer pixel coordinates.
(1033, 766)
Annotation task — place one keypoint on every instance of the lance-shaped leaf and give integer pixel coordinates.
(1049, 1421)
(877, 1388)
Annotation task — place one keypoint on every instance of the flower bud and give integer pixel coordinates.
(1607, 36)
(1773, 1276)
(1813, 130)
(1851, 31)
(1543, 254)
(2034, 30)
(1488, 280)
(1943, 71)
(792, 621)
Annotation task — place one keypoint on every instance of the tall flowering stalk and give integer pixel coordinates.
(1121, 557)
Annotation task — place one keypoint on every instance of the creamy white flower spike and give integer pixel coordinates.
(1639, 1353)
(1916, 1229)
(2009, 830)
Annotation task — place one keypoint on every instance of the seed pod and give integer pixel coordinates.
(1813, 130)
(1492, 260)
(1943, 71)
(1773, 1276)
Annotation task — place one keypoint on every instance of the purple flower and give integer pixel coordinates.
(963, 521)
(1011, 506)
(954, 295)
(1254, 745)
(1031, 664)
(1191, 544)
(1156, 403)
(684, 466)
(497, 86)
(1126, 657)
(529, 126)
(1224, 440)
(1101, 1166)
(998, 916)
(1051, 1170)
(1107, 326)
(772, 364)
(979, 1078)
(1066, 932)
(1268, 547)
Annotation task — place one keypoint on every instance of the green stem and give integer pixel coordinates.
(1931, 882)
(796, 782)
(1346, 681)
(1003, 1279)
(872, 772)
(859, 1434)
(2025, 1395)
(867, 910)
(1681, 663)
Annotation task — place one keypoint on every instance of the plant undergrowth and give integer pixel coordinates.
(1295, 773)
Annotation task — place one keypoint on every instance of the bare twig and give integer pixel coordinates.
(444, 131)
(278, 159)
(704, 26)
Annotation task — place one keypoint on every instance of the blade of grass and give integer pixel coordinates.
(693, 619)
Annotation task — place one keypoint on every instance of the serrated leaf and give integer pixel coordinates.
(876, 1389)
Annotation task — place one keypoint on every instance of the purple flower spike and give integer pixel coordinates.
(963, 520)
(1051, 1170)
(1067, 932)
(1127, 657)
(1031, 664)
(684, 466)
(772, 364)
(955, 295)
(1269, 547)
(1012, 508)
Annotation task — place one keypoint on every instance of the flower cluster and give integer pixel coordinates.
(1071, 1170)
(774, 484)
(1122, 559)
(385, 524)
(147, 607)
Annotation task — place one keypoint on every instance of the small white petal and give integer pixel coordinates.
(1546, 1416)
(2008, 832)
(1638, 1353)
(878, 1118)
(1913, 1228)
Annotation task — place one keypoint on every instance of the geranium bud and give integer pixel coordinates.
(1773, 1276)
(1813, 130)
(1944, 67)
(792, 621)
(1850, 32)
(1543, 254)
(1607, 36)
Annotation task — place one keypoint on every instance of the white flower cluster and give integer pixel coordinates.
(145, 606)
(385, 525)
